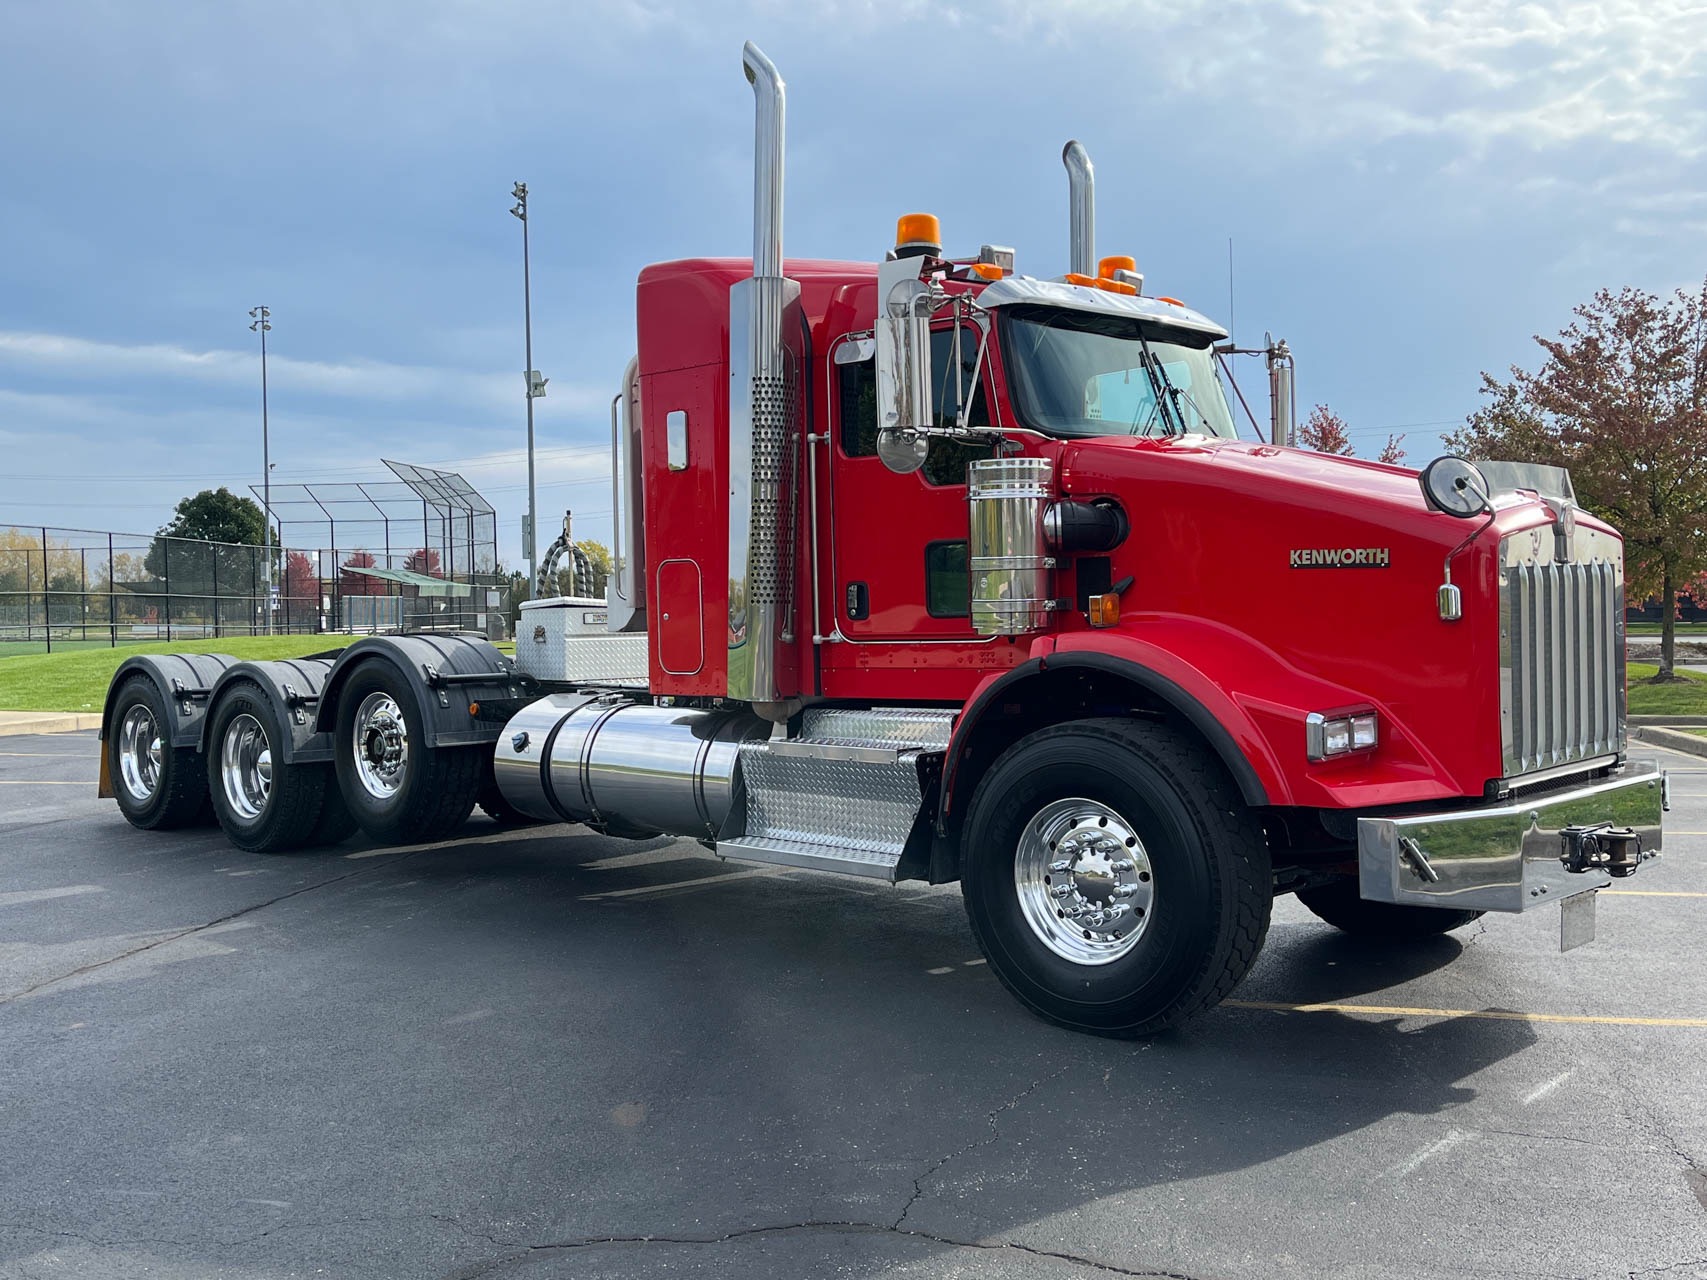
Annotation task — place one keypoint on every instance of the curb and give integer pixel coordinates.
(1660, 736)
(17, 723)
(1695, 721)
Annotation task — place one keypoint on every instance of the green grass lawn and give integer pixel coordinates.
(78, 681)
(1685, 630)
(1688, 698)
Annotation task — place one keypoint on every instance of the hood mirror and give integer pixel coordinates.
(1455, 486)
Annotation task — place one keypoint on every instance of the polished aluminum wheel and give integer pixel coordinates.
(1085, 883)
(139, 753)
(381, 745)
(246, 767)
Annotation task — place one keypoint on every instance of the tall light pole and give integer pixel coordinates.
(259, 323)
(535, 384)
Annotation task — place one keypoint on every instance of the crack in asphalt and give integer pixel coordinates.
(993, 1119)
(1660, 1271)
(519, 1251)
(180, 934)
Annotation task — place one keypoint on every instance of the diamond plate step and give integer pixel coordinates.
(835, 803)
(899, 726)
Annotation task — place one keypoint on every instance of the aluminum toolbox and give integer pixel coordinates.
(564, 638)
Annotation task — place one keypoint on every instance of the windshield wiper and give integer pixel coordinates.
(1162, 389)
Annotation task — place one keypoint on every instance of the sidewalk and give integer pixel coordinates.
(13, 723)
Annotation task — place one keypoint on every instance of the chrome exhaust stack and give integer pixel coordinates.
(764, 359)
(1081, 210)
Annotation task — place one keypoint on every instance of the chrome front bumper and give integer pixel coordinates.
(1508, 857)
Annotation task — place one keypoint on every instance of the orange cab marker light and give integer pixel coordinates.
(918, 230)
(1104, 610)
(1173, 302)
(1073, 277)
(986, 271)
(1117, 286)
(473, 708)
(1117, 262)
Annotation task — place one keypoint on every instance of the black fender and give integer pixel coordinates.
(447, 673)
(1165, 693)
(185, 681)
(293, 686)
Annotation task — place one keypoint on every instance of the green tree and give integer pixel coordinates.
(182, 555)
(598, 561)
(1620, 399)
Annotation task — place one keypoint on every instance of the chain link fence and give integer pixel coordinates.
(74, 588)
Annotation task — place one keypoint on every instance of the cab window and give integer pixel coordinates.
(947, 461)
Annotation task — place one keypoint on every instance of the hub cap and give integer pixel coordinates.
(1084, 881)
(381, 745)
(246, 767)
(139, 753)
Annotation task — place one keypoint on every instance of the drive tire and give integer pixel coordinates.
(1338, 904)
(162, 788)
(263, 804)
(490, 798)
(417, 797)
(1199, 853)
(336, 824)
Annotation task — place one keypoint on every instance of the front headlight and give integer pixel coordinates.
(1341, 734)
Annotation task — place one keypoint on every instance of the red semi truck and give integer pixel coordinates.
(922, 572)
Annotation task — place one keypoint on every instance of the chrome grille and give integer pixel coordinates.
(1562, 647)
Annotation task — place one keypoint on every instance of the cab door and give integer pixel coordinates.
(897, 569)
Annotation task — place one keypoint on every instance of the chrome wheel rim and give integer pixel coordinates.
(381, 745)
(246, 767)
(139, 753)
(1084, 880)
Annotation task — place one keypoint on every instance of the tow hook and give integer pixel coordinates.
(1617, 850)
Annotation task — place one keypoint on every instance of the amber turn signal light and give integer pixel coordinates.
(1104, 610)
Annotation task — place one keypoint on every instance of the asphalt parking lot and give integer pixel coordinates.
(549, 1053)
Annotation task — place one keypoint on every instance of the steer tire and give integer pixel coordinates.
(282, 815)
(432, 790)
(1339, 905)
(1148, 811)
(165, 788)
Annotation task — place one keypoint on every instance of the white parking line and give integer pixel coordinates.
(1425, 1154)
(20, 896)
(682, 886)
(644, 859)
(1541, 1091)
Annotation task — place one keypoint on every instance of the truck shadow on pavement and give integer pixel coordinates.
(512, 1071)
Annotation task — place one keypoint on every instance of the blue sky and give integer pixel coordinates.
(1413, 190)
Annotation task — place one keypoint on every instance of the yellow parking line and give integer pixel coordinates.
(1497, 1015)
(1653, 893)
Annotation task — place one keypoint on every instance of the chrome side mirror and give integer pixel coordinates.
(1455, 486)
(903, 333)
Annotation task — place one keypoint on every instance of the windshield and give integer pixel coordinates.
(1075, 373)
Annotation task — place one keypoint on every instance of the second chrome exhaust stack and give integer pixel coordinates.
(1081, 210)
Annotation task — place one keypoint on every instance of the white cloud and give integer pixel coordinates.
(1626, 71)
(367, 380)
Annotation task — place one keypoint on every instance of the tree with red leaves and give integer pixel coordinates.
(1620, 400)
(1326, 432)
(351, 583)
(301, 577)
(424, 560)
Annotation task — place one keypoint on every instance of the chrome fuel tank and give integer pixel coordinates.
(603, 760)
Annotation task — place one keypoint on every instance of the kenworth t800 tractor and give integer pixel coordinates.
(925, 570)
